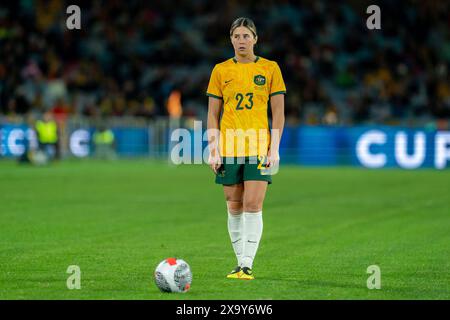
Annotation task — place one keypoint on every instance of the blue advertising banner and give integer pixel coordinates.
(372, 147)
(378, 147)
(132, 141)
(364, 146)
(15, 139)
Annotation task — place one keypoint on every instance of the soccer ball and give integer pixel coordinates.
(173, 275)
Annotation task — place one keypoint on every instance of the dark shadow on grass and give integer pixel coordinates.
(419, 292)
(314, 283)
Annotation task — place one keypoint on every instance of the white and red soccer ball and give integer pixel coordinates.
(173, 275)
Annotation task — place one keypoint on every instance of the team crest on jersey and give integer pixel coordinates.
(260, 80)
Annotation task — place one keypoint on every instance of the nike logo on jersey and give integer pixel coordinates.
(226, 81)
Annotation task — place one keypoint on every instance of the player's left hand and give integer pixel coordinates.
(273, 158)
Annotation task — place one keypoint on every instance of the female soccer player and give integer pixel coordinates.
(241, 155)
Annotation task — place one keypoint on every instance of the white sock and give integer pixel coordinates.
(252, 231)
(235, 222)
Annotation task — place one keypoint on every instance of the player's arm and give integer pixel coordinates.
(214, 109)
(277, 106)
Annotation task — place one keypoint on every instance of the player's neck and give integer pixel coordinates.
(251, 57)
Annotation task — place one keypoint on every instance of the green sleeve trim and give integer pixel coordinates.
(214, 96)
(278, 92)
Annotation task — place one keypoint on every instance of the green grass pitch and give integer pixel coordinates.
(322, 228)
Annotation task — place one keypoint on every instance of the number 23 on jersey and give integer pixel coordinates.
(244, 101)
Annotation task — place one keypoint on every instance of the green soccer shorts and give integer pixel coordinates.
(237, 170)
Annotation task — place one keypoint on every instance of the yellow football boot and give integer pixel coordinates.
(234, 274)
(246, 274)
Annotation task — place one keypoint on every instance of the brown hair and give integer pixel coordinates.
(243, 22)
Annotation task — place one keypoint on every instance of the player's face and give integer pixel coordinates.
(243, 41)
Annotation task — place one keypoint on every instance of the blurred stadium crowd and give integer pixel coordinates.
(136, 58)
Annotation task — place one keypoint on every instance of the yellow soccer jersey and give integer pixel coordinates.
(245, 89)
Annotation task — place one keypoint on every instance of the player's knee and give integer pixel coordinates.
(252, 206)
(234, 207)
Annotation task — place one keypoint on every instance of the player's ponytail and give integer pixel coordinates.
(243, 22)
